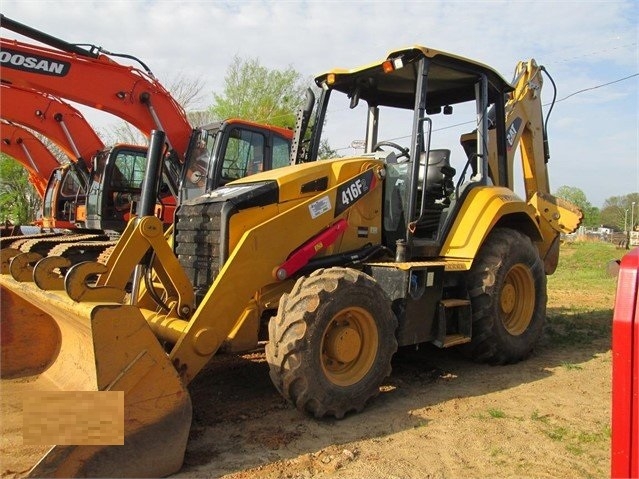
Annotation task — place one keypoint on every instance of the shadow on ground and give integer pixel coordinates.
(238, 412)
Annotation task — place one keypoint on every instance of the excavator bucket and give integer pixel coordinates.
(81, 347)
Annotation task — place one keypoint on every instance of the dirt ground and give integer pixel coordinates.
(437, 416)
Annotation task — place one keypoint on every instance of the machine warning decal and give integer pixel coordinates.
(511, 134)
(33, 63)
(320, 206)
(349, 193)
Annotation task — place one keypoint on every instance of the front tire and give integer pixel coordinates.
(331, 343)
(507, 287)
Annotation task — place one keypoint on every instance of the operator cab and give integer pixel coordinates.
(63, 195)
(115, 189)
(417, 106)
(222, 152)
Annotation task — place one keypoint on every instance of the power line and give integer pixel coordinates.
(598, 86)
(556, 101)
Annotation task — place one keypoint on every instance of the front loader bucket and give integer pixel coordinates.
(89, 347)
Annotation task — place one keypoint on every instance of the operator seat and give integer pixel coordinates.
(435, 193)
(439, 174)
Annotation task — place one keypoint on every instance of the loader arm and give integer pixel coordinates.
(255, 262)
(24, 147)
(252, 265)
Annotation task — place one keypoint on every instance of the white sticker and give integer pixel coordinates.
(430, 279)
(320, 207)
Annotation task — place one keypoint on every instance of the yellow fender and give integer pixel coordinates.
(481, 211)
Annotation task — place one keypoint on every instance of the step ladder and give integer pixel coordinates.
(453, 315)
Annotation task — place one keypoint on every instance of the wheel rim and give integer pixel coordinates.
(349, 346)
(517, 299)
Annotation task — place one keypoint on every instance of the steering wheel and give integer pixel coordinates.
(197, 173)
(402, 151)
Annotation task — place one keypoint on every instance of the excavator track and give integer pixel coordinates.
(44, 245)
(106, 253)
(83, 251)
(10, 241)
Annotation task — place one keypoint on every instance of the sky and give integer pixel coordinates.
(585, 45)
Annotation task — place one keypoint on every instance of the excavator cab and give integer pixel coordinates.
(116, 183)
(225, 151)
(64, 194)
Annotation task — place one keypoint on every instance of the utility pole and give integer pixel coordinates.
(632, 224)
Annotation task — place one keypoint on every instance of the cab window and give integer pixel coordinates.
(281, 152)
(70, 184)
(244, 154)
(128, 171)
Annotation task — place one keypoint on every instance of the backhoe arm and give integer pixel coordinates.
(525, 127)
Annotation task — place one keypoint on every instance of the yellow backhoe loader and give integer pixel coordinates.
(335, 263)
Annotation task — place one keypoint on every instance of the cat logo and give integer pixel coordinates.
(511, 134)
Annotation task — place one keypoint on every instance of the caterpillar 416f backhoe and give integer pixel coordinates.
(335, 263)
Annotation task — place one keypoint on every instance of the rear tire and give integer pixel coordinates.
(331, 343)
(507, 287)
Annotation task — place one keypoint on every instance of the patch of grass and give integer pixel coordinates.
(421, 423)
(571, 366)
(575, 450)
(576, 442)
(496, 413)
(574, 329)
(581, 294)
(496, 451)
(584, 264)
(557, 433)
(592, 437)
(535, 416)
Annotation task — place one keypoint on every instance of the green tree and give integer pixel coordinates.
(325, 151)
(578, 198)
(19, 202)
(254, 92)
(618, 213)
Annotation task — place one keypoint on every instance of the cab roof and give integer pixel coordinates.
(451, 79)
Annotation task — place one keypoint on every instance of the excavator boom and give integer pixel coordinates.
(24, 147)
(54, 118)
(99, 82)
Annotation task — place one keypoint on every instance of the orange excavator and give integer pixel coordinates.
(55, 119)
(67, 128)
(92, 78)
(64, 202)
(25, 148)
